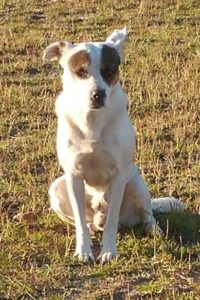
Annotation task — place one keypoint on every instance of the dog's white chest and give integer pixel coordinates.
(97, 168)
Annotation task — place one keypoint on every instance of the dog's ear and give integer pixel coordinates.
(117, 38)
(56, 50)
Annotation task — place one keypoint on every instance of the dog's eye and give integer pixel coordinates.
(82, 73)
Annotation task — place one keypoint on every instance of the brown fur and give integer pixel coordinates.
(79, 63)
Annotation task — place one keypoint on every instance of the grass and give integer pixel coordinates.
(161, 78)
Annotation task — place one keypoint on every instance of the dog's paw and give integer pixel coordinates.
(83, 249)
(91, 228)
(84, 254)
(107, 255)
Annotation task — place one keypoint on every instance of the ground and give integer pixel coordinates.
(161, 77)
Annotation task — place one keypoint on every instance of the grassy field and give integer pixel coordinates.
(161, 76)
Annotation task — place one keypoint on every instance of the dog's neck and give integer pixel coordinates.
(95, 123)
(88, 126)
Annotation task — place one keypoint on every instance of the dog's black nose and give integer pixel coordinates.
(98, 98)
(99, 94)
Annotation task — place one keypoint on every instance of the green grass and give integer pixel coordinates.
(161, 78)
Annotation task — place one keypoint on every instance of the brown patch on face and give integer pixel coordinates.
(110, 62)
(79, 63)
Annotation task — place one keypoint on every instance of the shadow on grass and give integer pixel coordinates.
(181, 227)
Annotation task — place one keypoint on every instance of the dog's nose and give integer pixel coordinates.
(98, 98)
(99, 94)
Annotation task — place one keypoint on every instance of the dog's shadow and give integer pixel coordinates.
(181, 227)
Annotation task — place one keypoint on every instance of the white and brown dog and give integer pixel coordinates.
(101, 188)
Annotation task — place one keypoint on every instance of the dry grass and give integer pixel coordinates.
(161, 78)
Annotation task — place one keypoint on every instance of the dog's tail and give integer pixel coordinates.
(166, 205)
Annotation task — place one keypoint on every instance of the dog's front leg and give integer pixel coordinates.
(115, 196)
(76, 191)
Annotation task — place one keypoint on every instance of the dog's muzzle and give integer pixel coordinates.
(98, 99)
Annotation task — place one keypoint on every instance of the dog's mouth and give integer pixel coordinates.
(96, 106)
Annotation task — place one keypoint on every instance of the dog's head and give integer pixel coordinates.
(91, 70)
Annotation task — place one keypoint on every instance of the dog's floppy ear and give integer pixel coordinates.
(117, 38)
(56, 50)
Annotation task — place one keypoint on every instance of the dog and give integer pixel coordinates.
(101, 188)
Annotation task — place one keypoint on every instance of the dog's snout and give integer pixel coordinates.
(98, 98)
(98, 94)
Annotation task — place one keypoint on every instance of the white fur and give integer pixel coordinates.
(117, 39)
(95, 151)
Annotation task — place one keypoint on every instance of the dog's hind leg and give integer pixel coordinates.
(60, 203)
(59, 200)
(136, 205)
